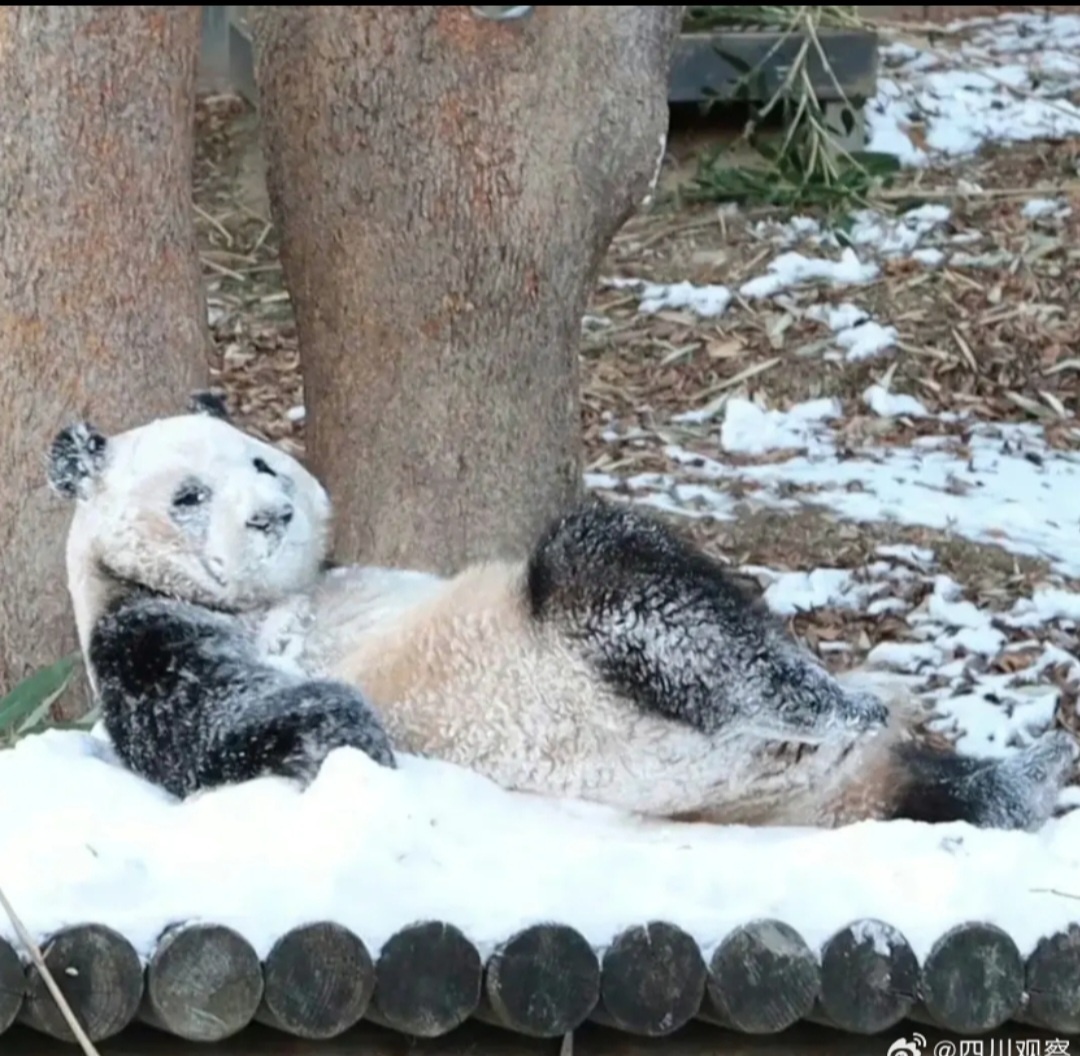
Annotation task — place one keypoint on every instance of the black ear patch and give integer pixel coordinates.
(76, 456)
(206, 401)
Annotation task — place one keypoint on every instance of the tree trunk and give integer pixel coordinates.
(101, 307)
(446, 187)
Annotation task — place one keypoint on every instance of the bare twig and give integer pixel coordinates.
(1054, 891)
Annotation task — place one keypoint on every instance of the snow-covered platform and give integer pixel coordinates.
(424, 896)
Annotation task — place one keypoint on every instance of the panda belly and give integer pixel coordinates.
(458, 671)
(536, 719)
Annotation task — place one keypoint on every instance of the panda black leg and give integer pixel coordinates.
(1019, 792)
(674, 632)
(292, 732)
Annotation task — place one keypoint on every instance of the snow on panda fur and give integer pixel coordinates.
(614, 663)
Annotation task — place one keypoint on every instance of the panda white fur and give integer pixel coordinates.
(613, 663)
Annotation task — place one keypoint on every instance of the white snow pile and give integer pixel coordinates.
(789, 593)
(857, 336)
(708, 302)
(750, 430)
(377, 850)
(793, 269)
(1008, 82)
(1041, 208)
(888, 404)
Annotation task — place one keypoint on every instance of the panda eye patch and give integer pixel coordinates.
(262, 467)
(189, 496)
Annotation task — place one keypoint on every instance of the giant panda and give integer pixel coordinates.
(614, 662)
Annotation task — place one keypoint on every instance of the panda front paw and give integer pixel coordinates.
(322, 716)
(292, 733)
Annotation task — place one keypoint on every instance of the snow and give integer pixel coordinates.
(794, 269)
(1045, 605)
(855, 333)
(930, 256)
(1037, 208)
(1008, 82)
(1008, 487)
(795, 592)
(706, 301)
(896, 236)
(920, 556)
(866, 341)
(749, 429)
(893, 405)
(377, 850)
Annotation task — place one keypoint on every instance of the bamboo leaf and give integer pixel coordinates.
(29, 702)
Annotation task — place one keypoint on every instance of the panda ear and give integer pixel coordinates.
(205, 401)
(77, 456)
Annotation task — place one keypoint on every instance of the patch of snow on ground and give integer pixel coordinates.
(1046, 604)
(856, 334)
(931, 257)
(1007, 487)
(708, 302)
(838, 317)
(377, 849)
(1009, 83)
(921, 557)
(793, 592)
(896, 236)
(793, 269)
(867, 340)
(750, 430)
(873, 232)
(663, 492)
(1012, 490)
(1039, 208)
(893, 404)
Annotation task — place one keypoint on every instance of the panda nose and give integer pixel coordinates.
(272, 517)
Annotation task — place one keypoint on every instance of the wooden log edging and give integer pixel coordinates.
(12, 985)
(204, 981)
(318, 982)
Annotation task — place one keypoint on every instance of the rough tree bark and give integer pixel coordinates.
(101, 305)
(446, 187)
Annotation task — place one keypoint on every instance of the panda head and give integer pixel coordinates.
(190, 507)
